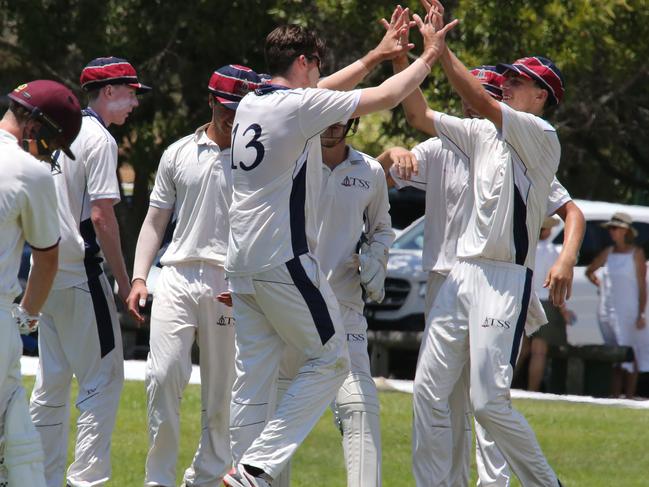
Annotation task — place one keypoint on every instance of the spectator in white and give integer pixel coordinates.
(80, 333)
(194, 182)
(554, 332)
(43, 116)
(623, 299)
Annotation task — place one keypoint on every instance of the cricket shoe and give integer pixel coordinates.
(238, 477)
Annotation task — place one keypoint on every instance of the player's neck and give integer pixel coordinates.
(217, 136)
(100, 109)
(334, 156)
(10, 124)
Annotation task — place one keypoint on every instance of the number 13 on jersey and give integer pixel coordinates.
(253, 133)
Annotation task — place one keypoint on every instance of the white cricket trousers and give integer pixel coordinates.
(290, 304)
(12, 394)
(493, 470)
(356, 406)
(477, 319)
(78, 335)
(185, 309)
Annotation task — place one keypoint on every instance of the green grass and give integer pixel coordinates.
(587, 445)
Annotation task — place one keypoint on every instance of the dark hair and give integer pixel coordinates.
(287, 42)
(19, 111)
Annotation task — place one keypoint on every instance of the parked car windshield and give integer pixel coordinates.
(596, 239)
(411, 239)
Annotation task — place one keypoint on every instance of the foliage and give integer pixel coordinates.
(599, 44)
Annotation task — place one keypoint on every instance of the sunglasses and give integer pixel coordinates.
(316, 58)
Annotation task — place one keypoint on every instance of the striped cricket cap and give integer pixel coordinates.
(491, 80)
(110, 71)
(541, 70)
(230, 83)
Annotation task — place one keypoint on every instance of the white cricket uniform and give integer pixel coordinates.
(27, 213)
(280, 294)
(444, 176)
(353, 202)
(79, 333)
(193, 178)
(480, 311)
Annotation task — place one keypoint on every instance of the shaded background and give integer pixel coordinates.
(601, 46)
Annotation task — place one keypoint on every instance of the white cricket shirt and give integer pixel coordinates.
(194, 178)
(27, 211)
(354, 200)
(444, 175)
(91, 176)
(511, 172)
(277, 173)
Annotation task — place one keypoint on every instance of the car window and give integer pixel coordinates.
(596, 239)
(412, 239)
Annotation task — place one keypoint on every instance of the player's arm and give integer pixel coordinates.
(597, 262)
(393, 90)
(45, 263)
(148, 243)
(415, 107)
(560, 275)
(104, 221)
(404, 161)
(463, 82)
(394, 43)
(641, 273)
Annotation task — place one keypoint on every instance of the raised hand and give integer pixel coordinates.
(433, 30)
(395, 41)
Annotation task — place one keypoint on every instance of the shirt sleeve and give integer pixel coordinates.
(558, 197)
(533, 139)
(457, 134)
(163, 195)
(321, 108)
(379, 222)
(39, 211)
(101, 172)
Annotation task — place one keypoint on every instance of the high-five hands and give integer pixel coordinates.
(433, 30)
(395, 41)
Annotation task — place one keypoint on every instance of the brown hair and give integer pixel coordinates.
(287, 42)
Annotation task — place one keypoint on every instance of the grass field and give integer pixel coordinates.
(587, 445)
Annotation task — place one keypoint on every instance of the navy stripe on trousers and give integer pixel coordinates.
(522, 317)
(102, 315)
(314, 300)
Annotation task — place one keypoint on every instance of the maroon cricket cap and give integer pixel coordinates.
(541, 70)
(491, 80)
(110, 71)
(54, 105)
(230, 83)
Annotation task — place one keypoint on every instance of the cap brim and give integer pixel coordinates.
(68, 152)
(504, 68)
(232, 105)
(140, 89)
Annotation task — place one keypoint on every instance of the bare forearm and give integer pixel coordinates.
(393, 90)
(44, 267)
(469, 88)
(418, 115)
(347, 78)
(573, 233)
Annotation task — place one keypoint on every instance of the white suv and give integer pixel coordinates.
(405, 285)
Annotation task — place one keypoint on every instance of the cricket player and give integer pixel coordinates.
(444, 176)
(194, 182)
(79, 333)
(43, 116)
(480, 310)
(354, 207)
(279, 292)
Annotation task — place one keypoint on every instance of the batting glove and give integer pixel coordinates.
(26, 323)
(373, 264)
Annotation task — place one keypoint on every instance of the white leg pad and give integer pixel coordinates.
(23, 451)
(356, 410)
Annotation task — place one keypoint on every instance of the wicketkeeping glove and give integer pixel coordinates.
(373, 263)
(26, 323)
